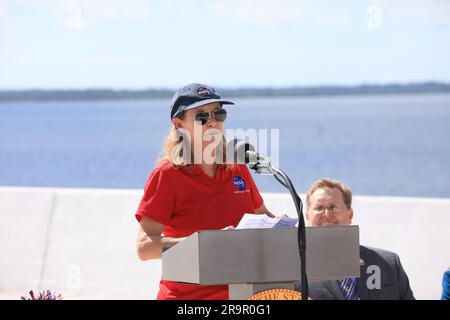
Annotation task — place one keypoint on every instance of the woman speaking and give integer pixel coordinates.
(192, 188)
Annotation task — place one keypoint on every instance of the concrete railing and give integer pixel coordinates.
(81, 242)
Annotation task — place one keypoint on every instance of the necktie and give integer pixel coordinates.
(348, 285)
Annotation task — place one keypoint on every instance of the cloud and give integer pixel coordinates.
(116, 9)
(265, 12)
(2, 11)
(281, 12)
(334, 18)
(77, 14)
(429, 11)
(3, 16)
(328, 14)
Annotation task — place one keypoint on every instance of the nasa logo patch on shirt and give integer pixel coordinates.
(239, 183)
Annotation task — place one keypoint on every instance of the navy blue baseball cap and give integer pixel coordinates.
(192, 96)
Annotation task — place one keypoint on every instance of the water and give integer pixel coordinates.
(379, 145)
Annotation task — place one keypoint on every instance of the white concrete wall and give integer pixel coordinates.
(81, 242)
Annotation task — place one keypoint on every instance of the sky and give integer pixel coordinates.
(138, 44)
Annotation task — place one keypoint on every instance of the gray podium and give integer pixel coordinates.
(253, 260)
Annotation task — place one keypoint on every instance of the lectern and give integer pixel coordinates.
(252, 260)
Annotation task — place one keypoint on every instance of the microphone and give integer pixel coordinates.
(244, 152)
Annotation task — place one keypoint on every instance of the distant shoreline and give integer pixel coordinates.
(111, 94)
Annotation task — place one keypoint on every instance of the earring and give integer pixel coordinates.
(180, 136)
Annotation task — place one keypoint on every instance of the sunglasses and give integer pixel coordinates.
(219, 115)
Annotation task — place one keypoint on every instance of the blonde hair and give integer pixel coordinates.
(330, 183)
(173, 150)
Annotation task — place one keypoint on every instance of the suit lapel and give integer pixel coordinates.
(334, 287)
(361, 283)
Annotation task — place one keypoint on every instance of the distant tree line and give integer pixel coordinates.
(110, 94)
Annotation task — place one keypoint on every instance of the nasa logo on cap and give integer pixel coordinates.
(204, 92)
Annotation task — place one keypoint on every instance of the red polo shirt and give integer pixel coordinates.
(186, 201)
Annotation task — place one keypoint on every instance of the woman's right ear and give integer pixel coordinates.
(177, 123)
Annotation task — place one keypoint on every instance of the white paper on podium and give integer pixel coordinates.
(263, 221)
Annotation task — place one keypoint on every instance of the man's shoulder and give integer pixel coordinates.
(378, 253)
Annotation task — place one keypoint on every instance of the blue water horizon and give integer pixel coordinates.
(384, 145)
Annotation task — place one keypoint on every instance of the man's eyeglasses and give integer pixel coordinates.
(332, 209)
(203, 116)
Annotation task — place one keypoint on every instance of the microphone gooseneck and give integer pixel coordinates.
(244, 152)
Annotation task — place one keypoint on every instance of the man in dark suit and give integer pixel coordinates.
(329, 203)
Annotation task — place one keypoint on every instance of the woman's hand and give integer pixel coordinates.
(264, 210)
(278, 215)
(150, 241)
(229, 228)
